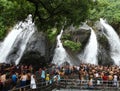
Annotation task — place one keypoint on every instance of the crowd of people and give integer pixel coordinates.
(12, 76)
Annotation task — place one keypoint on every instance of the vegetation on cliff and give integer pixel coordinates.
(72, 45)
(51, 34)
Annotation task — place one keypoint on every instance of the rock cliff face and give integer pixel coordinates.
(103, 50)
(77, 35)
(39, 51)
(81, 36)
(104, 56)
(36, 50)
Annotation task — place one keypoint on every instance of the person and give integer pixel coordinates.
(90, 83)
(3, 80)
(28, 77)
(23, 80)
(1, 84)
(110, 80)
(43, 75)
(115, 80)
(47, 78)
(33, 82)
(14, 80)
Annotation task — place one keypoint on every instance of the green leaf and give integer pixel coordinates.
(72, 45)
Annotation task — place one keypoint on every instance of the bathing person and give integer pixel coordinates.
(33, 82)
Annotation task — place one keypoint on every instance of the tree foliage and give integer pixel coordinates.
(12, 11)
(108, 9)
(56, 12)
(46, 13)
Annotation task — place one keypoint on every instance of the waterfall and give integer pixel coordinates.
(90, 52)
(20, 33)
(60, 56)
(113, 39)
(7, 44)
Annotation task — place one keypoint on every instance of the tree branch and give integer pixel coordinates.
(57, 8)
(45, 7)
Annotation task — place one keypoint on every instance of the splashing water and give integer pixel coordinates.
(114, 41)
(60, 55)
(30, 29)
(7, 44)
(21, 32)
(91, 50)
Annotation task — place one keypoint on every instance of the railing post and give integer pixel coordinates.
(74, 83)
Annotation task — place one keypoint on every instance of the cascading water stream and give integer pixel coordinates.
(21, 32)
(60, 55)
(113, 39)
(7, 44)
(91, 50)
(30, 29)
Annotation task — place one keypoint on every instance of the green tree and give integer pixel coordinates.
(49, 13)
(108, 9)
(12, 11)
(46, 13)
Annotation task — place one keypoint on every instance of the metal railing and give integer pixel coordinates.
(41, 86)
(75, 84)
(87, 84)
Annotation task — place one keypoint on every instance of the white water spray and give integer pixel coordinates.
(114, 41)
(60, 55)
(7, 44)
(91, 50)
(30, 29)
(22, 31)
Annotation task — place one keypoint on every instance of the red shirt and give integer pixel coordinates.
(105, 77)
